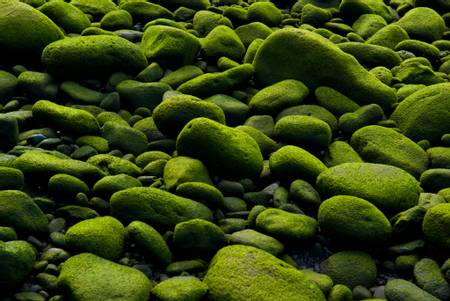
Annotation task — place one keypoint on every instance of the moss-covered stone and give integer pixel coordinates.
(223, 41)
(205, 21)
(320, 62)
(17, 260)
(175, 112)
(340, 292)
(181, 75)
(143, 11)
(66, 186)
(235, 111)
(439, 157)
(266, 144)
(70, 120)
(371, 55)
(352, 9)
(26, 31)
(7, 234)
(435, 179)
(169, 45)
(150, 242)
(8, 85)
(116, 19)
(108, 185)
(143, 159)
(183, 169)
(258, 240)
(155, 207)
(368, 24)
(425, 113)
(389, 188)
(419, 48)
(340, 152)
(417, 71)
(11, 178)
(38, 85)
(96, 8)
(291, 162)
(402, 290)
(87, 277)
(98, 143)
(377, 144)
(194, 4)
(102, 236)
(364, 116)
(39, 166)
(423, 23)
(9, 134)
(135, 94)
(112, 165)
(180, 288)
(198, 237)
(201, 192)
(436, 220)
(286, 226)
(18, 210)
(252, 31)
(350, 268)
(225, 151)
(92, 56)
(335, 102)
(353, 221)
(239, 273)
(314, 15)
(66, 15)
(124, 138)
(264, 12)
(430, 278)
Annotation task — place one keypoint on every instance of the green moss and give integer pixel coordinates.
(389, 188)
(225, 151)
(155, 207)
(322, 64)
(430, 278)
(124, 138)
(181, 288)
(368, 24)
(92, 56)
(350, 268)
(240, 273)
(266, 144)
(314, 15)
(419, 48)
(11, 178)
(198, 237)
(304, 131)
(324, 282)
(249, 237)
(102, 236)
(37, 85)
(70, 120)
(378, 144)
(371, 55)
(87, 277)
(18, 210)
(334, 101)
(181, 75)
(388, 36)
(175, 112)
(66, 186)
(143, 11)
(340, 292)
(417, 71)
(252, 31)
(98, 143)
(66, 15)
(217, 83)
(201, 192)
(183, 169)
(425, 114)
(223, 41)
(290, 162)
(95, 7)
(436, 220)
(364, 116)
(286, 226)
(402, 290)
(39, 166)
(143, 159)
(8, 85)
(235, 111)
(149, 242)
(251, 50)
(439, 157)
(116, 19)
(17, 260)
(194, 4)
(135, 94)
(169, 45)
(205, 21)
(423, 23)
(352, 9)
(353, 221)
(264, 12)
(7, 234)
(113, 165)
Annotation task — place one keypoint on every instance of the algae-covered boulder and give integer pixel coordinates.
(322, 63)
(193, 4)
(19, 211)
(180, 288)
(170, 45)
(66, 15)
(377, 144)
(87, 277)
(436, 224)
(8, 85)
(225, 151)
(430, 278)
(183, 169)
(223, 41)
(402, 290)
(354, 221)
(143, 11)
(92, 56)
(124, 137)
(264, 12)
(102, 236)
(241, 273)
(155, 207)
(67, 119)
(371, 55)
(352, 9)
(135, 94)
(258, 240)
(25, 30)
(11, 178)
(66, 186)
(16, 262)
(350, 268)
(423, 23)
(389, 188)
(425, 114)
(108, 185)
(96, 8)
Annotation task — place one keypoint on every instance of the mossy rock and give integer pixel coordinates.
(19, 211)
(26, 31)
(96, 8)
(112, 165)
(102, 236)
(253, 31)
(235, 111)
(169, 45)
(353, 221)
(335, 102)
(286, 226)
(181, 75)
(352, 9)
(180, 288)
(108, 185)
(425, 114)
(193, 4)
(98, 143)
(66, 15)
(264, 12)
(239, 273)
(124, 138)
(201, 192)
(66, 186)
(423, 23)
(225, 151)
(266, 144)
(350, 268)
(143, 11)
(205, 21)
(117, 19)
(39, 166)
(417, 71)
(377, 144)
(388, 36)
(92, 56)
(430, 278)
(340, 152)
(249, 237)
(11, 178)
(436, 220)
(8, 86)
(223, 41)
(135, 94)
(150, 242)
(87, 277)
(290, 162)
(320, 63)
(155, 207)
(143, 159)
(371, 55)
(70, 120)
(183, 169)
(175, 112)
(17, 260)
(368, 24)
(402, 290)
(389, 188)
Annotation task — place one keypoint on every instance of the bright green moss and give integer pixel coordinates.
(365, 115)
(95, 7)
(135, 94)
(334, 101)
(423, 23)
(108, 185)
(371, 55)
(388, 36)
(252, 31)
(143, 11)
(417, 71)
(205, 21)
(258, 240)
(436, 220)
(419, 48)
(402, 290)
(265, 12)
(201, 192)
(183, 169)
(143, 159)
(124, 138)
(116, 19)
(66, 15)
(100, 144)
(66, 186)
(368, 24)
(112, 165)
(266, 144)
(194, 4)
(430, 278)
(352, 9)
(11, 178)
(235, 111)
(223, 41)
(181, 75)
(180, 288)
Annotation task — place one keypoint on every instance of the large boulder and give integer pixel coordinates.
(423, 23)
(322, 63)
(244, 273)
